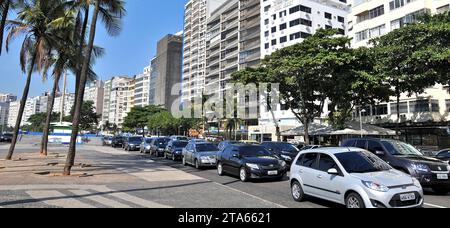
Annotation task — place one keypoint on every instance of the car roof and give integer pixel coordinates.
(333, 150)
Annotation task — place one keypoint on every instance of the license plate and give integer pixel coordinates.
(407, 197)
(272, 173)
(442, 176)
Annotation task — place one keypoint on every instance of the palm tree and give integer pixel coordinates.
(36, 21)
(111, 12)
(5, 7)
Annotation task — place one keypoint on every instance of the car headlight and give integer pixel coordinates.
(375, 186)
(253, 166)
(160, 149)
(417, 183)
(147, 147)
(282, 163)
(285, 157)
(421, 168)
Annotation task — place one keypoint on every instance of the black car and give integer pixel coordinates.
(7, 137)
(431, 172)
(284, 150)
(224, 144)
(158, 146)
(174, 149)
(133, 143)
(250, 162)
(117, 141)
(444, 155)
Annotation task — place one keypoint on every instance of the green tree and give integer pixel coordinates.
(88, 119)
(111, 12)
(5, 7)
(414, 57)
(163, 123)
(37, 121)
(307, 73)
(37, 20)
(139, 116)
(110, 127)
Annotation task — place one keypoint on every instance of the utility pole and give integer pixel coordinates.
(63, 97)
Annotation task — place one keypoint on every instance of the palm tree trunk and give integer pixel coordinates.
(2, 23)
(44, 141)
(77, 114)
(22, 105)
(80, 50)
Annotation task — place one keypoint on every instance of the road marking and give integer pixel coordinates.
(436, 206)
(99, 199)
(253, 196)
(132, 199)
(47, 196)
(160, 174)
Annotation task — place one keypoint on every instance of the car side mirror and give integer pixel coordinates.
(333, 172)
(379, 153)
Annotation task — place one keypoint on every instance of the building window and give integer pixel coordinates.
(328, 16)
(403, 108)
(376, 12)
(380, 110)
(283, 39)
(419, 106)
(283, 26)
(341, 19)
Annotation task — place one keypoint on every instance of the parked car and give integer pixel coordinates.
(285, 151)
(107, 140)
(201, 154)
(224, 144)
(158, 146)
(174, 149)
(6, 137)
(179, 137)
(146, 145)
(117, 141)
(310, 147)
(444, 155)
(431, 172)
(197, 140)
(250, 162)
(133, 143)
(353, 177)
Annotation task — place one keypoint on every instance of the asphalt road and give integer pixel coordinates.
(279, 191)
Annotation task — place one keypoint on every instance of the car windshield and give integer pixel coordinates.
(444, 154)
(135, 139)
(182, 138)
(397, 148)
(362, 162)
(254, 151)
(206, 147)
(179, 144)
(285, 147)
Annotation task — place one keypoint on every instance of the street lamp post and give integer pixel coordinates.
(361, 111)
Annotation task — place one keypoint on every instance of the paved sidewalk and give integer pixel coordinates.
(108, 178)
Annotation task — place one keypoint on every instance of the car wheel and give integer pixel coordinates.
(243, 175)
(441, 191)
(353, 200)
(184, 161)
(297, 191)
(197, 165)
(220, 169)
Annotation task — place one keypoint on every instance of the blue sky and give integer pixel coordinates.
(146, 22)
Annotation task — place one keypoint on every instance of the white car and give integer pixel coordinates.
(353, 177)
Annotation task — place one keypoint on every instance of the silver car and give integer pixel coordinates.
(200, 154)
(353, 177)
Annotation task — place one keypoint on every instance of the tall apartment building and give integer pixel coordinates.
(13, 113)
(194, 46)
(142, 90)
(424, 117)
(5, 100)
(95, 92)
(250, 30)
(166, 71)
(7, 97)
(285, 23)
(118, 99)
(69, 101)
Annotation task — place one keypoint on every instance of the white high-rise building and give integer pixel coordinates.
(194, 50)
(5, 100)
(287, 22)
(13, 113)
(95, 92)
(7, 97)
(118, 99)
(69, 101)
(424, 117)
(142, 88)
(373, 18)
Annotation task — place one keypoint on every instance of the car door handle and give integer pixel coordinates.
(319, 176)
(300, 171)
